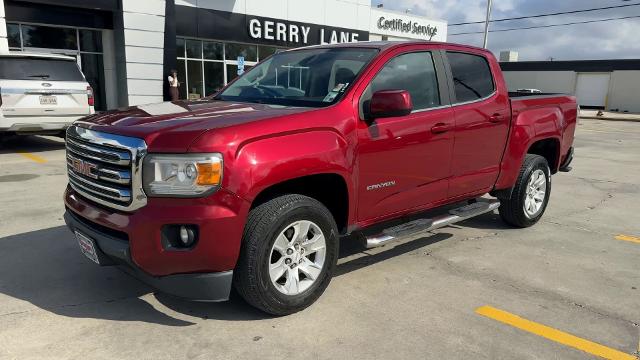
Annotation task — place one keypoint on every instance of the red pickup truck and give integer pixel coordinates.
(254, 186)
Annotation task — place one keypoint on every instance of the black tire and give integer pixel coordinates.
(512, 210)
(265, 223)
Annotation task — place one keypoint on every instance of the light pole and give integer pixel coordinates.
(486, 24)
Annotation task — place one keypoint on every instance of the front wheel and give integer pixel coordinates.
(289, 252)
(530, 195)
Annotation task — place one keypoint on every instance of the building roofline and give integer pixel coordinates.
(400, 13)
(573, 65)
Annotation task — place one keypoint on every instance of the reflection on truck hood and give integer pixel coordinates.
(172, 126)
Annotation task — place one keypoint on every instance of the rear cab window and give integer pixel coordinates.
(472, 77)
(21, 68)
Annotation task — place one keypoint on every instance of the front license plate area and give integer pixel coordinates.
(48, 100)
(88, 247)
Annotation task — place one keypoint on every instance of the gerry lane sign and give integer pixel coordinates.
(298, 33)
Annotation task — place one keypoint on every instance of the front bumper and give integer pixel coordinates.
(215, 286)
(134, 239)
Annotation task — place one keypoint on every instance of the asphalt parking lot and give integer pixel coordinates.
(476, 290)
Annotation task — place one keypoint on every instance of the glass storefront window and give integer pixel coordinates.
(49, 37)
(13, 35)
(90, 40)
(210, 65)
(182, 87)
(194, 79)
(250, 52)
(213, 51)
(180, 47)
(213, 77)
(266, 51)
(194, 49)
(232, 72)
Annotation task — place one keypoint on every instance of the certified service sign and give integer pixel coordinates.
(407, 26)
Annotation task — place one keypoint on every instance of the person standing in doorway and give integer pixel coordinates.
(173, 85)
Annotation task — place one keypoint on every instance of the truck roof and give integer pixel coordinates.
(387, 44)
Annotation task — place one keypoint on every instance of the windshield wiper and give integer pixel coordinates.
(42, 76)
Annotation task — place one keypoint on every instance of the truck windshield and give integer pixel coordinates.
(309, 77)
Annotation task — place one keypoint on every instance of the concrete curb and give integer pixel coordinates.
(609, 118)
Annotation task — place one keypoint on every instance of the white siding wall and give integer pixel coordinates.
(547, 81)
(4, 45)
(143, 45)
(623, 91)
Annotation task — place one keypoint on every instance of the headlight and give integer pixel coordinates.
(184, 175)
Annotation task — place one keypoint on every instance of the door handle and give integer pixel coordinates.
(495, 118)
(440, 128)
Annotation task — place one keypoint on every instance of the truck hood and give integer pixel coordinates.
(173, 126)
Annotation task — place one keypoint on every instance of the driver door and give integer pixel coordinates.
(404, 162)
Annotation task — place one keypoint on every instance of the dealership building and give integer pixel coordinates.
(127, 48)
(599, 84)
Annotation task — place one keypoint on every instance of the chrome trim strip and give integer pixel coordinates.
(138, 150)
(117, 176)
(432, 108)
(123, 195)
(477, 100)
(42, 91)
(124, 157)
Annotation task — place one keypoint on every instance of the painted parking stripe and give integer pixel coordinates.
(33, 157)
(553, 334)
(628, 238)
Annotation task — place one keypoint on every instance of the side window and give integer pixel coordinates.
(413, 72)
(471, 76)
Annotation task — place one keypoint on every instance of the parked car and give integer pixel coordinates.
(41, 93)
(254, 187)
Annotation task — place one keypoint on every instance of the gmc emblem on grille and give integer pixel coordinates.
(84, 168)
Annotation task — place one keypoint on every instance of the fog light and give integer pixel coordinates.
(186, 236)
(179, 237)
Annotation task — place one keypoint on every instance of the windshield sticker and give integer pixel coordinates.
(339, 89)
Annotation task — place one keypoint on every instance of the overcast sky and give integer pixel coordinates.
(605, 40)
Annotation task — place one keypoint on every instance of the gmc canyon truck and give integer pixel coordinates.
(252, 187)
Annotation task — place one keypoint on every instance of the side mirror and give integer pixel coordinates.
(390, 103)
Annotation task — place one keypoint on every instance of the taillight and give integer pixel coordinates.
(90, 99)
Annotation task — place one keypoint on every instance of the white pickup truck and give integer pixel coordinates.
(41, 93)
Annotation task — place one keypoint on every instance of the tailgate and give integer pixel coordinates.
(49, 98)
(37, 86)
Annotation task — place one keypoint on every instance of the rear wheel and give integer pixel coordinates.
(530, 195)
(289, 252)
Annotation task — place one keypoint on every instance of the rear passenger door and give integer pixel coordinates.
(481, 123)
(403, 162)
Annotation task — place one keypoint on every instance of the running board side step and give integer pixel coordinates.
(423, 225)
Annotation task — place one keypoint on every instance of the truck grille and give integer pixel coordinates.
(106, 168)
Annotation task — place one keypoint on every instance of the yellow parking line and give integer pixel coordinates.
(33, 157)
(553, 334)
(628, 238)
